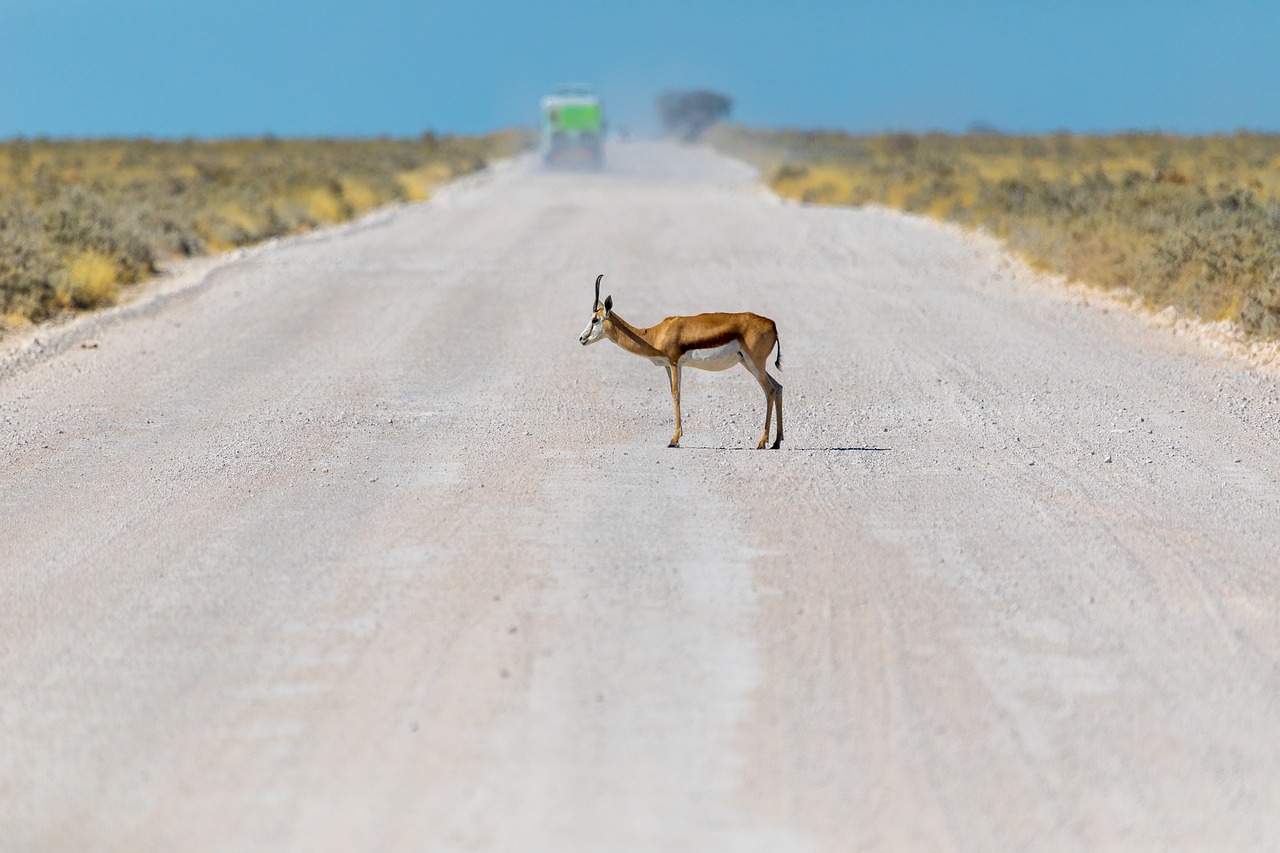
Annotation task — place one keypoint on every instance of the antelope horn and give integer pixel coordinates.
(598, 288)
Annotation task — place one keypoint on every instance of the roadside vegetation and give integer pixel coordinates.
(1188, 222)
(688, 115)
(79, 219)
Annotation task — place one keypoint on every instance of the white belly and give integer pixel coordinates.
(715, 358)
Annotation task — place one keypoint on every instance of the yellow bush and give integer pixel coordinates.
(1183, 221)
(359, 195)
(235, 215)
(817, 185)
(228, 225)
(322, 206)
(14, 320)
(93, 279)
(68, 208)
(417, 184)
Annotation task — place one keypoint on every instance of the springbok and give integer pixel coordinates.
(705, 341)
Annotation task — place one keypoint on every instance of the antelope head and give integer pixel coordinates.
(599, 313)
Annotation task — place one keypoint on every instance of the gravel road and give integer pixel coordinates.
(348, 545)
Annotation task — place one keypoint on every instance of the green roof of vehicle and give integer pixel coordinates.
(572, 109)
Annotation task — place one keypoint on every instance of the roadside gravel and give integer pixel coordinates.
(348, 544)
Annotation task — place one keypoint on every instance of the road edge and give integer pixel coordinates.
(28, 347)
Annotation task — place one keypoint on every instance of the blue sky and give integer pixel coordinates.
(294, 67)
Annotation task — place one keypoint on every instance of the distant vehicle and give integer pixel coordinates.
(572, 127)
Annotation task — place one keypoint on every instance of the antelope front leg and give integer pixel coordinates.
(673, 372)
(772, 400)
(768, 416)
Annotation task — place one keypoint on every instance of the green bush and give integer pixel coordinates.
(29, 266)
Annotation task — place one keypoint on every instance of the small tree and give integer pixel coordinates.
(685, 115)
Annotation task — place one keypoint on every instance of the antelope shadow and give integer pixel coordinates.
(867, 449)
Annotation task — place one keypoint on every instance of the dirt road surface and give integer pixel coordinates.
(351, 546)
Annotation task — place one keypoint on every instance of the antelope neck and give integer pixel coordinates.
(629, 337)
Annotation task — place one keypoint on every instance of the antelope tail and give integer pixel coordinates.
(777, 362)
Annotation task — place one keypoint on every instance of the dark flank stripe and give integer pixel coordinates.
(713, 341)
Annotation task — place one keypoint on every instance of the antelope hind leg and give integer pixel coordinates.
(777, 401)
(674, 373)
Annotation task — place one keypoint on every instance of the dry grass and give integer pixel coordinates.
(92, 279)
(80, 219)
(1192, 222)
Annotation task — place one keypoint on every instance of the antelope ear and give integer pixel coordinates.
(608, 303)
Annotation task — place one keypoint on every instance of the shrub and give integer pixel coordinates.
(687, 115)
(92, 279)
(1192, 222)
(80, 218)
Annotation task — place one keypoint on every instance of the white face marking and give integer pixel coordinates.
(714, 358)
(594, 330)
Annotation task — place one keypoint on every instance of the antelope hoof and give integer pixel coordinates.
(776, 445)
(760, 446)
(675, 442)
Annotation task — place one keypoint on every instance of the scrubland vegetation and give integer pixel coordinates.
(1189, 222)
(79, 219)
